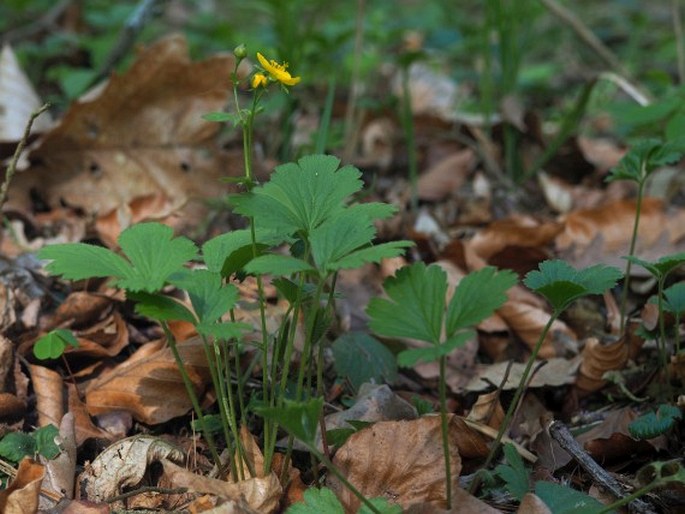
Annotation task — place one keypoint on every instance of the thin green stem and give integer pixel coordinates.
(408, 123)
(333, 469)
(631, 251)
(191, 394)
(308, 342)
(444, 429)
(662, 324)
(627, 499)
(513, 406)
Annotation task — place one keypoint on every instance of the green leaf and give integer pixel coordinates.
(674, 297)
(408, 358)
(152, 251)
(477, 296)
(374, 253)
(78, 261)
(218, 249)
(53, 344)
(299, 419)
(644, 157)
(513, 473)
(652, 424)
(416, 304)
(275, 264)
(338, 236)
(224, 331)
(210, 298)
(662, 267)
(154, 254)
(17, 445)
(561, 284)
(218, 116)
(45, 441)
(337, 436)
(564, 500)
(160, 307)
(300, 196)
(317, 501)
(362, 358)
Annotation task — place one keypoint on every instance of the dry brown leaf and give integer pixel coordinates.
(18, 100)
(48, 386)
(462, 503)
(517, 231)
(142, 135)
(124, 464)
(80, 308)
(60, 471)
(261, 495)
(399, 461)
(149, 385)
(446, 176)
(526, 316)
(598, 358)
(532, 504)
(22, 495)
(611, 439)
(83, 424)
(602, 153)
(487, 410)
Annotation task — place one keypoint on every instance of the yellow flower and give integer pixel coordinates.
(277, 71)
(258, 80)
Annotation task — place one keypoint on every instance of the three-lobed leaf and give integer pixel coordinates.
(513, 473)
(661, 267)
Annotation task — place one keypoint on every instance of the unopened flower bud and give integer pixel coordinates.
(240, 51)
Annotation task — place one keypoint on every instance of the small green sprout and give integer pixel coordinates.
(53, 344)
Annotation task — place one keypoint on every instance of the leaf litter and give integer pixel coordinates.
(93, 163)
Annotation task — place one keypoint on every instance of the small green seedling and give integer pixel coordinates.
(17, 445)
(637, 166)
(660, 270)
(416, 309)
(53, 344)
(514, 472)
(561, 285)
(654, 424)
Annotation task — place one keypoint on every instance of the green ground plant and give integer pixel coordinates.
(416, 309)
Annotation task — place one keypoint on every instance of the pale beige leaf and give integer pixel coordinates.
(262, 495)
(123, 465)
(18, 100)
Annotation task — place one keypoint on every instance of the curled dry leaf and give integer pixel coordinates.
(143, 134)
(398, 460)
(48, 385)
(526, 315)
(516, 231)
(60, 471)
(487, 410)
(149, 385)
(83, 424)
(123, 465)
(598, 358)
(257, 495)
(22, 495)
(446, 176)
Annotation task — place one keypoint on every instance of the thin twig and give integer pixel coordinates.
(12, 168)
(586, 35)
(562, 435)
(134, 25)
(351, 116)
(147, 489)
(44, 23)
